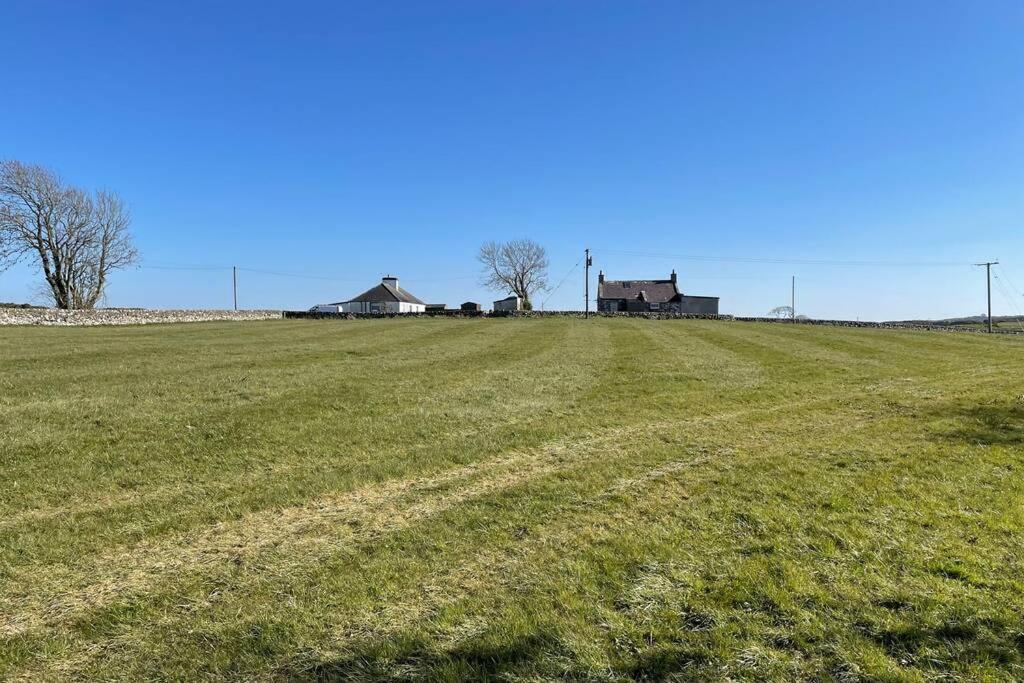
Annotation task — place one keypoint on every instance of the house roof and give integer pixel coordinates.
(650, 291)
(384, 292)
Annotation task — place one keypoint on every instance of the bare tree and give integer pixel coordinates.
(519, 267)
(781, 312)
(77, 238)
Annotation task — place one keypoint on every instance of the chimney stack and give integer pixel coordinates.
(390, 280)
(600, 277)
(673, 276)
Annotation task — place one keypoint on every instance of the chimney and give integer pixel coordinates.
(600, 277)
(673, 276)
(390, 280)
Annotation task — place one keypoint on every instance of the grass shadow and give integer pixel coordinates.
(987, 424)
(417, 660)
(966, 641)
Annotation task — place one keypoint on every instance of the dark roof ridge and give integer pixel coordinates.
(384, 292)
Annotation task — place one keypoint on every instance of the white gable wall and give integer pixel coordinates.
(380, 307)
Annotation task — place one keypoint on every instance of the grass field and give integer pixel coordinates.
(518, 499)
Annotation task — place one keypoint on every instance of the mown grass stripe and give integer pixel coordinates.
(718, 499)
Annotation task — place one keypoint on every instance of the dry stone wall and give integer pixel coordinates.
(646, 315)
(138, 316)
(776, 321)
(123, 316)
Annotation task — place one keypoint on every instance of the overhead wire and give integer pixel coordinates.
(173, 266)
(782, 261)
(1010, 299)
(1016, 290)
(277, 273)
(562, 282)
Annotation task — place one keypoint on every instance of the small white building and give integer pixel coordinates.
(387, 297)
(510, 303)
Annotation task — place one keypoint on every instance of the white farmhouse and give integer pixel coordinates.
(387, 297)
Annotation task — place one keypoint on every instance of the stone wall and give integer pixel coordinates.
(776, 321)
(640, 314)
(123, 316)
(446, 313)
(139, 316)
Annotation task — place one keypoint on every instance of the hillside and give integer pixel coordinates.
(531, 498)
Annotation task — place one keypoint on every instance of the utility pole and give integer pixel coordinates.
(792, 299)
(234, 284)
(988, 282)
(587, 261)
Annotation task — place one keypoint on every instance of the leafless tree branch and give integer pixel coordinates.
(518, 267)
(77, 238)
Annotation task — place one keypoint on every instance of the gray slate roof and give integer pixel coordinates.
(651, 291)
(384, 292)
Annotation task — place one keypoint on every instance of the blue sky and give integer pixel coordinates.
(346, 140)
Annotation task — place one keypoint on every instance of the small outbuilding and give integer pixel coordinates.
(470, 306)
(387, 297)
(509, 303)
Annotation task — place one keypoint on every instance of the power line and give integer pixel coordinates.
(277, 273)
(783, 261)
(181, 267)
(1002, 286)
(552, 292)
(195, 267)
(339, 279)
(301, 276)
(1006, 276)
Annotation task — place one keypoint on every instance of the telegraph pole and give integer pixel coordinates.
(586, 282)
(792, 299)
(988, 282)
(234, 284)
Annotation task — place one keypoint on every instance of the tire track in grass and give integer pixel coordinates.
(489, 574)
(400, 487)
(257, 411)
(465, 387)
(362, 515)
(604, 445)
(42, 447)
(57, 511)
(46, 600)
(318, 546)
(492, 573)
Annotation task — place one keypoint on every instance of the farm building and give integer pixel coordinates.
(650, 296)
(470, 306)
(509, 303)
(387, 297)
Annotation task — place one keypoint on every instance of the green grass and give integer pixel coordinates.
(519, 499)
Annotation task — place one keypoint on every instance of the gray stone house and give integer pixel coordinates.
(655, 296)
